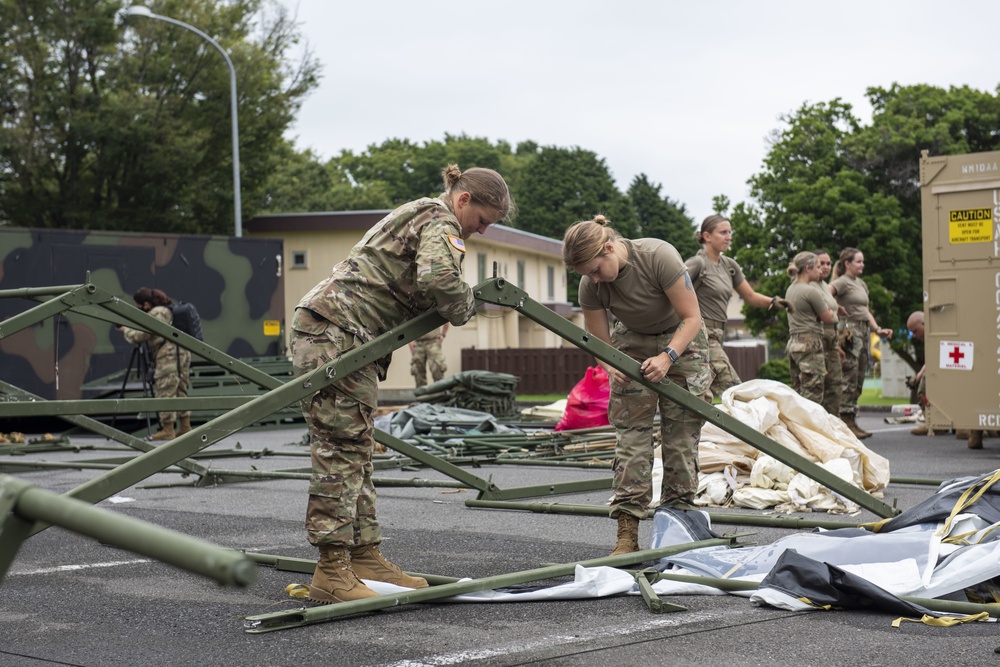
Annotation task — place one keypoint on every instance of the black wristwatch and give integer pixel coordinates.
(672, 353)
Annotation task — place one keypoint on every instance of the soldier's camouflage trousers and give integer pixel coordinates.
(427, 356)
(341, 506)
(632, 408)
(171, 379)
(832, 389)
(855, 366)
(724, 375)
(807, 363)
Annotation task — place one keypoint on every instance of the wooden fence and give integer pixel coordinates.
(557, 370)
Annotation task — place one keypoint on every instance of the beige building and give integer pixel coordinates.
(315, 242)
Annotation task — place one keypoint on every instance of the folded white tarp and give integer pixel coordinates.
(734, 473)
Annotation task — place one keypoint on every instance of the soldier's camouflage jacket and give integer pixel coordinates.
(410, 262)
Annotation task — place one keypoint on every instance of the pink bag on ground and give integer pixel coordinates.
(587, 403)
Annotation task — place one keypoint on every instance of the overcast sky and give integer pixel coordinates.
(685, 92)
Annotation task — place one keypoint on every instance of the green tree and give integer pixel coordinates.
(403, 170)
(559, 186)
(908, 119)
(108, 126)
(659, 217)
(808, 196)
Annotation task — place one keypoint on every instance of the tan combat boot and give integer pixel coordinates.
(852, 424)
(334, 580)
(369, 563)
(962, 434)
(628, 535)
(165, 433)
(975, 440)
(920, 430)
(185, 425)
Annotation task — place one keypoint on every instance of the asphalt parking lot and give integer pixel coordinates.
(69, 600)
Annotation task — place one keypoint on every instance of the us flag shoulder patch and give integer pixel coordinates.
(457, 242)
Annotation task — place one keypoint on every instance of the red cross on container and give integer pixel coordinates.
(956, 355)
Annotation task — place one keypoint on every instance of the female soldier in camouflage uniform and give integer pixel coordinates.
(715, 276)
(644, 284)
(806, 317)
(407, 264)
(171, 363)
(426, 355)
(832, 353)
(851, 293)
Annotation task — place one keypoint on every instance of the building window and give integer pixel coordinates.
(481, 257)
(520, 273)
(299, 259)
(551, 274)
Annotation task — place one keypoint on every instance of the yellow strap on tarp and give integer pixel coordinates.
(970, 496)
(942, 621)
(297, 591)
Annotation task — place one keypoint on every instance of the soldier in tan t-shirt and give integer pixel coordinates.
(832, 354)
(644, 284)
(806, 317)
(851, 294)
(715, 276)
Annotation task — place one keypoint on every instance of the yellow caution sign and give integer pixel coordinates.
(970, 225)
(272, 327)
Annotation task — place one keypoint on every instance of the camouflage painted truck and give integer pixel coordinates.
(237, 285)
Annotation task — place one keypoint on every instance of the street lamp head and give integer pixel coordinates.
(139, 10)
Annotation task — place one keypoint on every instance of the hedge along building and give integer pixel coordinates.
(315, 242)
(237, 285)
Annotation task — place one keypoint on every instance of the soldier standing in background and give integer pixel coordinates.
(171, 363)
(715, 277)
(851, 293)
(427, 356)
(645, 285)
(807, 314)
(834, 356)
(408, 264)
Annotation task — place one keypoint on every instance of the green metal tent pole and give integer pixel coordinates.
(119, 406)
(500, 292)
(728, 518)
(100, 428)
(296, 389)
(31, 503)
(308, 566)
(293, 618)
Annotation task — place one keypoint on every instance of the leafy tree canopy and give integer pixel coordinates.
(108, 125)
(829, 182)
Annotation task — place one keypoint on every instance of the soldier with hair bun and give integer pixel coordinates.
(409, 263)
(809, 312)
(715, 276)
(645, 285)
(851, 294)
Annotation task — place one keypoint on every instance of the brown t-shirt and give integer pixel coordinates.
(714, 283)
(807, 304)
(852, 294)
(636, 297)
(831, 303)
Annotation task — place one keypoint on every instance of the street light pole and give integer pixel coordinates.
(140, 10)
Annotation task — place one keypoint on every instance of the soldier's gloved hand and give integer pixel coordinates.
(781, 304)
